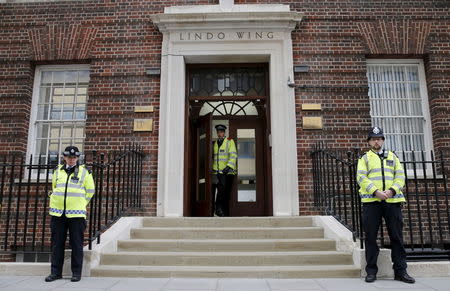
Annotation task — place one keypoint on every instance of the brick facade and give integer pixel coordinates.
(119, 41)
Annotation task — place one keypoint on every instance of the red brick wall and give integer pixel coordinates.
(119, 41)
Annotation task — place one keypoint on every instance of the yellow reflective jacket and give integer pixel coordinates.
(374, 173)
(225, 156)
(71, 194)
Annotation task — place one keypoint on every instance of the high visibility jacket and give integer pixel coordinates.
(376, 173)
(71, 194)
(225, 155)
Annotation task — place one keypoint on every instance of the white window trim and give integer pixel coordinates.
(428, 135)
(31, 145)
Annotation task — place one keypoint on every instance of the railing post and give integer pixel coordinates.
(115, 189)
(444, 182)
(107, 166)
(134, 183)
(47, 181)
(417, 198)
(438, 208)
(430, 226)
(36, 199)
(141, 169)
(92, 208)
(123, 180)
(314, 176)
(100, 195)
(344, 191)
(130, 160)
(27, 204)
(408, 203)
(19, 195)
(2, 186)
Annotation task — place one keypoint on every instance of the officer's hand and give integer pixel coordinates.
(226, 170)
(381, 195)
(389, 193)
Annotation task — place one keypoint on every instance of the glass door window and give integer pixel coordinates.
(246, 176)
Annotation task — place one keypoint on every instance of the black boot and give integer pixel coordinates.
(405, 278)
(219, 212)
(371, 278)
(52, 277)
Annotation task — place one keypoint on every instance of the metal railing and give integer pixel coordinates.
(426, 213)
(24, 188)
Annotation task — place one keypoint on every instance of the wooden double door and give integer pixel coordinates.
(249, 194)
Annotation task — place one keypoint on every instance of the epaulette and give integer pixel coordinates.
(87, 169)
(360, 155)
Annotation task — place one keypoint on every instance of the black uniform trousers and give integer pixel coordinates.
(373, 212)
(59, 227)
(224, 186)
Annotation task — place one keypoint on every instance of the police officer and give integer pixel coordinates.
(381, 178)
(224, 166)
(73, 188)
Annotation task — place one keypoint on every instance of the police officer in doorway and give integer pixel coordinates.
(224, 166)
(381, 178)
(72, 189)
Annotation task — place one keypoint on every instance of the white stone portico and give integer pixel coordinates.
(223, 34)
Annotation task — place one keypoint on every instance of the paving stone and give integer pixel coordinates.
(137, 284)
(95, 283)
(36, 283)
(243, 285)
(11, 280)
(438, 284)
(191, 284)
(293, 284)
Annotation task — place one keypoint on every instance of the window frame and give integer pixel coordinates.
(428, 135)
(31, 144)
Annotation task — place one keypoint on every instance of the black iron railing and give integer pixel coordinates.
(24, 188)
(426, 213)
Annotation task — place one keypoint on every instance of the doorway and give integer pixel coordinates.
(236, 96)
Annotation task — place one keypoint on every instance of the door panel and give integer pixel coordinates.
(248, 194)
(202, 203)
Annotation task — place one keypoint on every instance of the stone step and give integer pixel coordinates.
(321, 271)
(230, 245)
(226, 258)
(228, 222)
(226, 233)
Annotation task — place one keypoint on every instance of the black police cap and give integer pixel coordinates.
(375, 132)
(220, 127)
(71, 151)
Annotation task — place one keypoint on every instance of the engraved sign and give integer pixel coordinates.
(143, 124)
(225, 35)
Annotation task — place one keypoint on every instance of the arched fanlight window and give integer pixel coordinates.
(221, 108)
